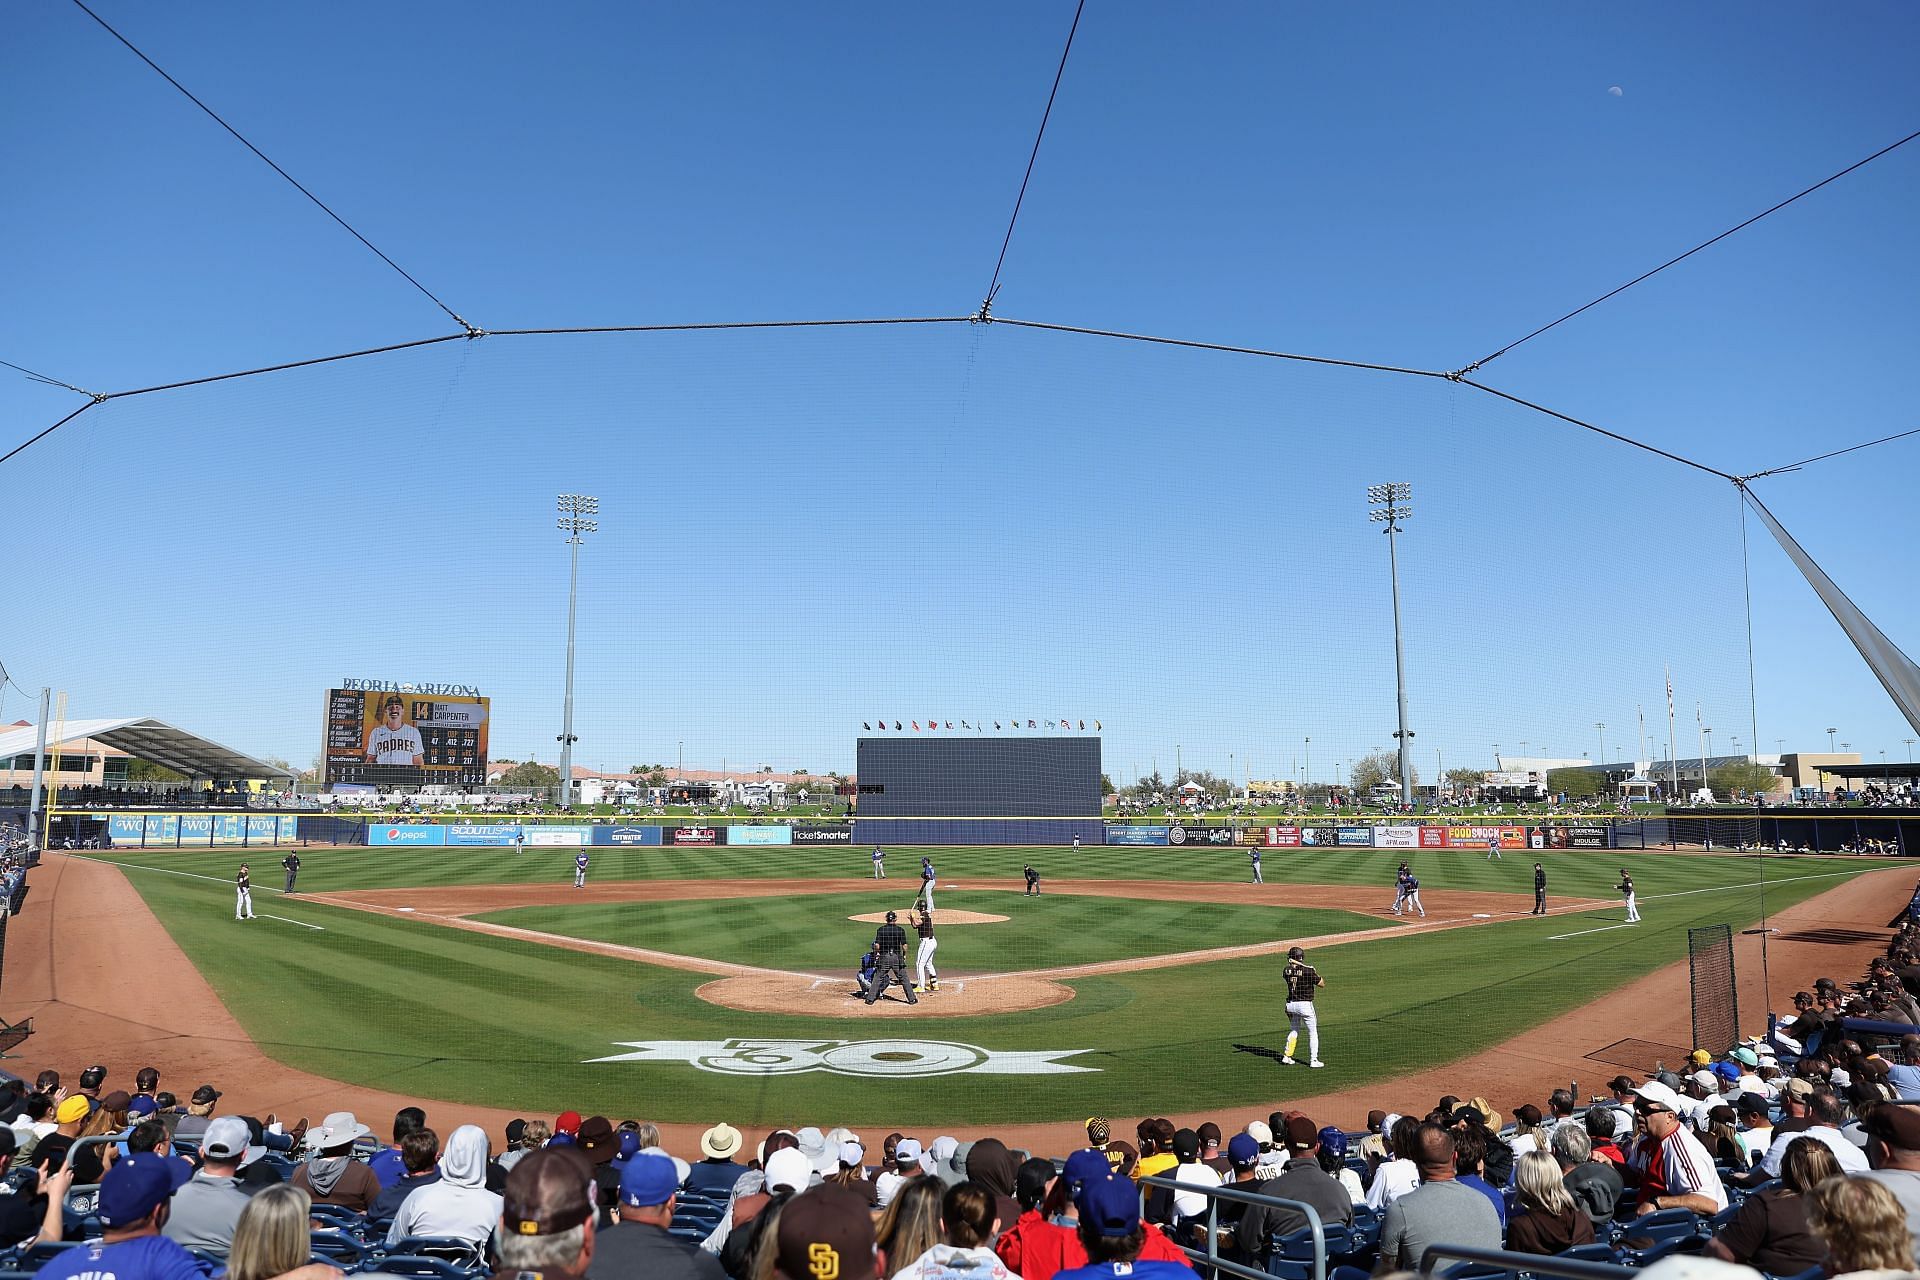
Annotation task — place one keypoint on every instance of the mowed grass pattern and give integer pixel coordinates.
(441, 1014)
(811, 932)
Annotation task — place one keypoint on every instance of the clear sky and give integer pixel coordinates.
(805, 531)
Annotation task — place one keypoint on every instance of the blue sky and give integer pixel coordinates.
(802, 531)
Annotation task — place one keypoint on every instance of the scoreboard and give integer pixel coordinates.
(436, 739)
(978, 777)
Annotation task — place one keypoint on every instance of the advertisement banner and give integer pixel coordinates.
(695, 835)
(1589, 838)
(1433, 837)
(1513, 837)
(1355, 837)
(1136, 835)
(1250, 835)
(196, 828)
(482, 833)
(1283, 837)
(839, 833)
(1395, 838)
(414, 833)
(1199, 835)
(1320, 837)
(744, 834)
(542, 834)
(626, 835)
(127, 828)
(1476, 836)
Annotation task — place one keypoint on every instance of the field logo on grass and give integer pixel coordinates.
(889, 1058)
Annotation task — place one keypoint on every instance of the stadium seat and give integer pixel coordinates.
(337, 1246)
(1589, 1253)
(405, 1264)
(32, 1259)
(1474, 1271)
(333, 1215)
(463, 1255)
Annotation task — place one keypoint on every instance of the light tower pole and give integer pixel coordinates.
(1393, 503)
(576, 518)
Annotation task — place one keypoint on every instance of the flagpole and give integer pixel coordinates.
(1673, 761)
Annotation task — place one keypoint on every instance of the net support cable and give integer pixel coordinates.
(44, 380)
(351, 230)
(1704, 244)
(1822, 457)
(1897, 673)
(993, 286)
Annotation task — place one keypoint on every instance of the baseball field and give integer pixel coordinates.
(689, 984)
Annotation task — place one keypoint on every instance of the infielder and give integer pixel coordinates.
(1626, 890)
(243, 894)
(1254, 856)
(580, 869)
(1413, 895)
(519, 839)
(1033, 882)
(879, 863)
(393, 740)
(1302, 980)
(1539, 890)
(927, 880)
(890, 948)
(1400, 889)
(928, 977)
(291, 865)
(1493, 849)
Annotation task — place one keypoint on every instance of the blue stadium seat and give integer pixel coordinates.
(333, 1215)
(1589, 1253)
(1474, 1271)
(342, 1248)
(463, 1255)
(406, 1264)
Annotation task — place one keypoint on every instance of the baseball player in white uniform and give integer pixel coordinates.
(1493, 849)
(1302, 981)
(243, 894)
(393, 740)
(926, 977)
(1626, 891)
(580, 869)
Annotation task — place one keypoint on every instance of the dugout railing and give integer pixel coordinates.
(1210, 1256)
(1505, 1261)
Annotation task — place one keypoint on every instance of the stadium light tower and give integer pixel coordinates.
(1392, 501)
(576, 518)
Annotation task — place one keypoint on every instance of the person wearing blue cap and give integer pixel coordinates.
(135, 1198)
(639, 1244)
(1111, 1232)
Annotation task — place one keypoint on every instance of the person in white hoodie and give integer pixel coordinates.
(459, 1204)
(967, 1221)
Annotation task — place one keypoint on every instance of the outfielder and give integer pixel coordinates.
(580, 869)
(1254, 856)
(243, 894)
(1302, 980)
(928, 977)
(1493, 849)
(879, 863)
(927, 880)
(890, 950)
(1626, 890)
(291, 865)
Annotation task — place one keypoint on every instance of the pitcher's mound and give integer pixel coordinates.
(940, 916)
(839, 997)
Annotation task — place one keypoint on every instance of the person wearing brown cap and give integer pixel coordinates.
(1893, 1152)
(826, 1231)
(1301, 1179)
(546, 1216)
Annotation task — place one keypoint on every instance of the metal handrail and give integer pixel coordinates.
(1539, 1264)
(1214, 1196)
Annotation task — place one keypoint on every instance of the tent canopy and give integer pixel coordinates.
(149, 739)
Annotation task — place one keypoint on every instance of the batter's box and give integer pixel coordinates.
(1642, 1056)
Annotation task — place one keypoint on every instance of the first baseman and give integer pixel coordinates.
(928, 977)
(580, 869)
(243, 894)
(879, 863)
(1302, 981)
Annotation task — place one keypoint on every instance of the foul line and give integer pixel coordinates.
(1718, 888)
(1602, 929)
(191, 875)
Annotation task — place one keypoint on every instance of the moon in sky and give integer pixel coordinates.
(1615, 90)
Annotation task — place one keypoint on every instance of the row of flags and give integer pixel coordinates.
(969, 726)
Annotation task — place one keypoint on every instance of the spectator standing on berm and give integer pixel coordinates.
(1302, 980)
(1438, 1211)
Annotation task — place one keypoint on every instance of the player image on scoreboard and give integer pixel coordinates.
(404, 739)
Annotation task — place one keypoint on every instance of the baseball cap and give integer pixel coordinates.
(1333, 1141)
(1301, 1132)
(138, 1185)
(1375, 1119)
(516, 1131)
(1705, 1079)
(142, 1105)
(852, 1155)
(1110, 1206)
(226, 1138)
(1895, 1125)
(1658, 1095)
(788, 1167)
(1260, 1132)
(204, 1094)
(567, 1122)
(71, 1109)
(595, 1136)
(1085, 1165)
(1098, 1130)
(1751, 1104)
(546, 1192)
(1700, 1057)
(648, 1180)
(908, 1152)
(1527, 1113)
(824, 1231)
(92, 1076)
(629, 1147)
(1726, 1071)
(1186, 1144)
(1746, 1057)
(1720, 1113)
(1800, 1087)
(118, 1100)
(1242, 1150)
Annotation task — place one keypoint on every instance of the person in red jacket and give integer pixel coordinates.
(1048, 1242)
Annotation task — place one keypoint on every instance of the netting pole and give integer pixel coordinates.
(1716, 1009)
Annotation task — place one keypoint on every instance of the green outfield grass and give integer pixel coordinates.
(410, 1006)
(814, 934)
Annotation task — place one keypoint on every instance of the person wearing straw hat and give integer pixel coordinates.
(717, 1169)
(331, 1175)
